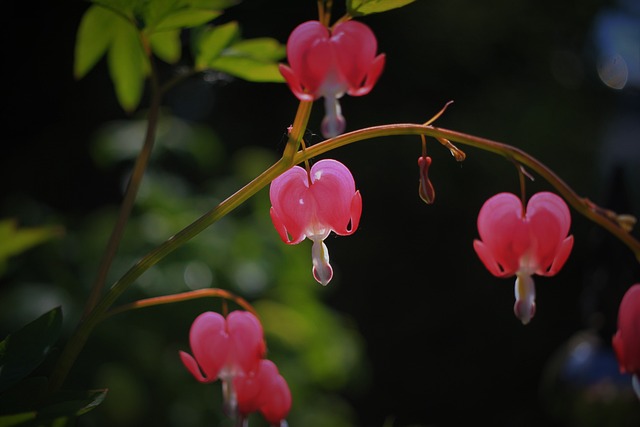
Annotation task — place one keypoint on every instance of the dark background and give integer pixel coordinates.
(442, 344)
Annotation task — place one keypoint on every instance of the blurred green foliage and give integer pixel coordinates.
(16, 240)
(126, 31)
(135, 355)
(519, 72)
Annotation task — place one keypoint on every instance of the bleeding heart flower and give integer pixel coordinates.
(626, 341)
(520, 242)
(324, 63)
(264, 390)
(223, 349)
(312, 204)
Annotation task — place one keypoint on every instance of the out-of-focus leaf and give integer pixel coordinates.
(166, 45)
(14, 240)
(162, 15)
(22, 419)
(367, 7)
(128, 65)
(60, 410)
(210, 43)
(186, 19)
(93, 38)
(212, 4)
(125, 8)
(23, 351)
(72, 403)
(248, 69)
(254, 60)
(264, 48)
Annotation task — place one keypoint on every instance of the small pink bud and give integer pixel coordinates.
(425, 190)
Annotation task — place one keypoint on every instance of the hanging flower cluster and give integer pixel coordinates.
(232, 349)
(626, 341)
(523, 242)
(329, 63)
(313, 203)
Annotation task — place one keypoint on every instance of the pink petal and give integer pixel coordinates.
(247, 388)
(209, 343)
(562, 254)
(310, 55)
(294, 83)
(356, 212)
(373, 74)
(277, 402)
(550, 220)
(317, 73)
(502, 230)
(247, 341)
(192, 366)
(301, 39)
(292, 207)
(618, 347)
(626, 342)
(552, 203)
(252, 390)
(489, 261)
(333, 189)
(355, 48)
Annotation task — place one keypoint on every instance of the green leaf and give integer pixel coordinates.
(253, 60)
(166, 45)
(128, 65)
(23, 351)
(162, 15)
(21, 419)
(248, 69)
(211, 41)
(93, 39)
(367, 7)
(125, 8)
(265, 49)
(17, 240)
(186, 18)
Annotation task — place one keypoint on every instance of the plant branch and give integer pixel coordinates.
(603, 217)
(183, 296)
(80, 336)
(610, 221)
(93, 316)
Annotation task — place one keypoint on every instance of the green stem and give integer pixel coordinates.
(92, 318)
(297, 131)
(126, 208)
(133, 186)
(86, 326)
(584, 206)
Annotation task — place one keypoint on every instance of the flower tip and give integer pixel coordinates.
(333, 123)
(524, 310)
(525, 291)
(322, 270)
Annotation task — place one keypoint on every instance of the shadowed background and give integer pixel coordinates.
(412, 330)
